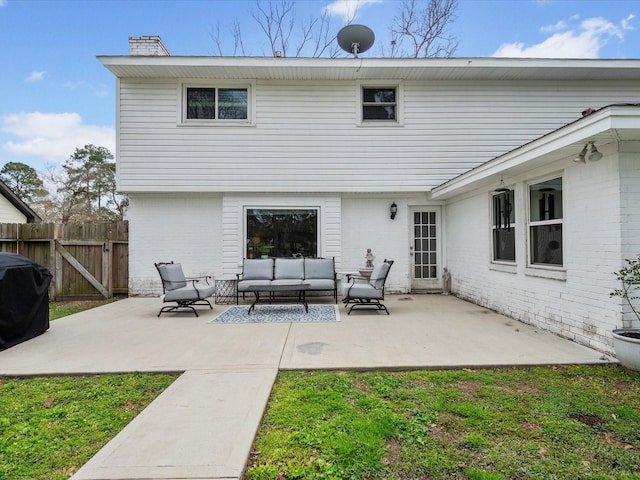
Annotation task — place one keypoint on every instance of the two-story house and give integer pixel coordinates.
(475, 165)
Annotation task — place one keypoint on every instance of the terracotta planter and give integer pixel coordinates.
(627, 347)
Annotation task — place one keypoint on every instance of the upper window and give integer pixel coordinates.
(207, 103)
(545, 222)
(504, 230)
(379, 104)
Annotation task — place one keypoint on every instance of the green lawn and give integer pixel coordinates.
(538, 423)
(62, 309)
(51, 426)
(579, 422)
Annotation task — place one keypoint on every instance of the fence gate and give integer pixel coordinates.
(88, 260)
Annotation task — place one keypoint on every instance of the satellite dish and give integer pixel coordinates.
(355, 39)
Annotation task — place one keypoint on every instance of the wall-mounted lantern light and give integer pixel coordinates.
(393, 209)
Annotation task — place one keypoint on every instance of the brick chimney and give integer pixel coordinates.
(147, 45)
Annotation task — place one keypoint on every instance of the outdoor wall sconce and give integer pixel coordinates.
(393, 209)
(594, 156)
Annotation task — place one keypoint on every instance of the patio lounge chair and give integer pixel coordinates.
(185, 292)
(363, 294)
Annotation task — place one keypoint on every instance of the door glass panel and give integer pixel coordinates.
(425, 254)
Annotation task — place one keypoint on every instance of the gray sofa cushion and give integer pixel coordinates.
(363, 290)
(172, 275)
(320, 283)
(378, 275)
(289, 268)
(287, 281)
(190, 293)
(244, 284)
(320, 268)
(258, 269)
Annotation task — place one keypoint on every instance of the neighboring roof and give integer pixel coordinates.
(613, 123)
(446, 69)
(17, 202)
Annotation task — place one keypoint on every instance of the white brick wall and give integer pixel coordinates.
(366, 224)
(595, 228)
(204, 232)
(148, 45)
(183, 228)
(630, 211)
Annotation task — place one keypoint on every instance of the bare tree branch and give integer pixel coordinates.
(420, 29)
(424, 29)
(237, 39)
(276, 20)
(215, 36)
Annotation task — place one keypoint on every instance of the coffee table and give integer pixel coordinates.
(299, 288)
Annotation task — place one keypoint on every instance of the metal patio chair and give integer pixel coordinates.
(185, 292)
(363, 293)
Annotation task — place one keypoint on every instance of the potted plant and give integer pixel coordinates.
(265, 250)
(626, 340)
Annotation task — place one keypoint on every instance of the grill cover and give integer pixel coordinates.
(24, 299)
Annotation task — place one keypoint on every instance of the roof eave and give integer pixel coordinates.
(134, 66)
(602, 126)
(17, 202)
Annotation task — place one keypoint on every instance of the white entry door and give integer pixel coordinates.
(424, 252)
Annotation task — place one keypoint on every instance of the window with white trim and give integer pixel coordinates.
(215, 103)
(282, 232)
(545, 223)
(379, 104)
(504, 229)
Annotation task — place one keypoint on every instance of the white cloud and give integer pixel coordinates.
(35, 76)
(626, 22)
(348, 9)
(582, 41)
(557, 27)
(53, 136)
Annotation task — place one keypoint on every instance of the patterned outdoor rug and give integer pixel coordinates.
(278, 313)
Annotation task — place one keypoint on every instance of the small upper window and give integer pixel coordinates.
(204, 103)
(379, 104)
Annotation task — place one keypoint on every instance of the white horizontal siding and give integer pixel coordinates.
(306, 138)
(233, 235)
(9, 213)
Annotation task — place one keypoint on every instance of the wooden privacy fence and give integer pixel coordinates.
(89, 260)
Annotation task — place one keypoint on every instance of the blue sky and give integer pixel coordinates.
(56, 96)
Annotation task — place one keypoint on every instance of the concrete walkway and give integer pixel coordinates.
(203, 425)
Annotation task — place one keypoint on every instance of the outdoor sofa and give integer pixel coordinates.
(319, 273)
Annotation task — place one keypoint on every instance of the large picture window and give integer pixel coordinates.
(208, 103)
(283, 232)
(545, 222)
(504, 230)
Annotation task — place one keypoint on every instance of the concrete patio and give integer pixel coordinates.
(204, 424)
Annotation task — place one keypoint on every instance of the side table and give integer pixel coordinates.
(226, 291)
